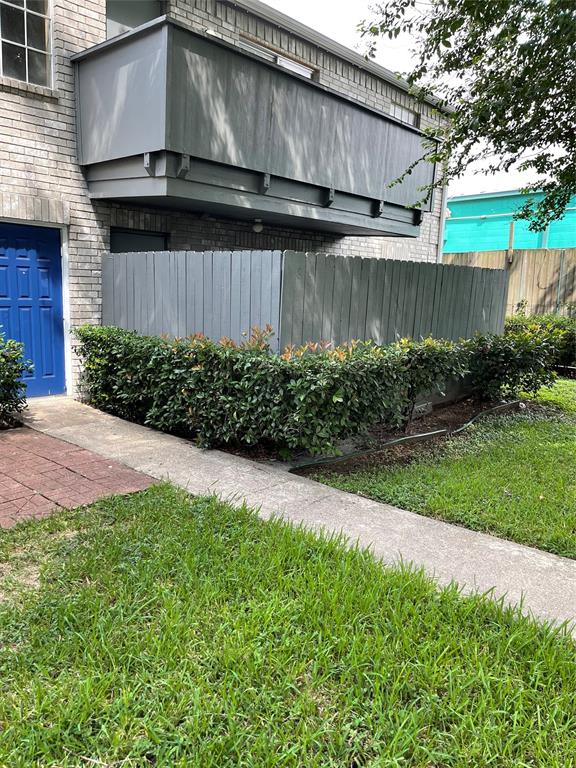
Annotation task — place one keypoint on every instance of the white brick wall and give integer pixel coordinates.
(40, 181)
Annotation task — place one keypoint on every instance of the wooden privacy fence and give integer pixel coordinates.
(179, 293)
(544, 277)
(303, 296)
(338, 298)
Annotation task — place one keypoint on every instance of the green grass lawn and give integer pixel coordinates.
(160, 630)
(513, 476)
(562, 395)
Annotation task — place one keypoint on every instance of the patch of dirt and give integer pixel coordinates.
(405, 453)
(261, 452)
(394, 455)
(448, 416)
(15, 576)
(22, 569)
(567, 371)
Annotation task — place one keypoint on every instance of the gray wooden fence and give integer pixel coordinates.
(302, 296)
(337, 298)
(179, 293)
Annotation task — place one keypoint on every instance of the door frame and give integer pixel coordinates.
(65, 267)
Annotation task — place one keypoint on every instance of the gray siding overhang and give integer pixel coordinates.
(173, 118)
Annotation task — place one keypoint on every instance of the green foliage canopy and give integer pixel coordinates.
(508, 70)
(12, 388)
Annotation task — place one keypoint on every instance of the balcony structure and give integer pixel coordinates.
(175, 119)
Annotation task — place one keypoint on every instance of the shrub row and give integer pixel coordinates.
(560, 332)
(12, 369)
(306, 398)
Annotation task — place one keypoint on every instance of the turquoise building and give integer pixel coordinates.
(483, 223)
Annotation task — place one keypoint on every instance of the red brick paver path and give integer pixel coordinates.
(39, 474)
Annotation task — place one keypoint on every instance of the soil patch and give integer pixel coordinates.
(449, 417)
(17, 575)
(22, 569)
(405, 453)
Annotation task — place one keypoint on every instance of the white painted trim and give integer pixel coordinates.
(50, 18)
(491, 215)
(442, 226)
(486, 195)
(65, 287)
(65, 267)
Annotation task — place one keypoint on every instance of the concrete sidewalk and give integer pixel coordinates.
(477, 561)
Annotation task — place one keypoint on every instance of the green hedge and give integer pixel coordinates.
(307, 398)
(12, 369)
(560, 332)
(516, 361)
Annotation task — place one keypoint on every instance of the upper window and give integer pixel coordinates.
(277, 58)
(25, 41)
(124, 15)
(405, 115)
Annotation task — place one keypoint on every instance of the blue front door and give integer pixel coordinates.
(31, 302)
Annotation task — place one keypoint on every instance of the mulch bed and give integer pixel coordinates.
(450, 417)
(447, 417)
(567, 371)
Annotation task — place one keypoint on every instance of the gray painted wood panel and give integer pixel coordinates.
(296, 129)
(122, 99)
(336, 299)
(169, 88)
(304, 297)
(220, 293)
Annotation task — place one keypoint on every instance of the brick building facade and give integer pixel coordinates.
(42, 184)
